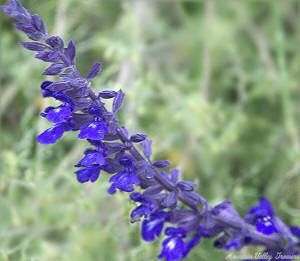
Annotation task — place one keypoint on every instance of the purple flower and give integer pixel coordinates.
(92, 158)
(144, 209)
(93, 131)
(55, 42)
(57, 114)
(262, 216)
(138, 137)
(152, 227)
(88, 174)
(125, 179)
(51, 135)
(173, 247)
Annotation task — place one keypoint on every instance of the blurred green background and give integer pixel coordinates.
(215, 84)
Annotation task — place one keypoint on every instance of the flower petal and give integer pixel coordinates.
(51, 135)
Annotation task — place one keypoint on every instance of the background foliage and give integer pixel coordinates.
(214, 83)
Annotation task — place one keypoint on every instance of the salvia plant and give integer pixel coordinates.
(165, 203)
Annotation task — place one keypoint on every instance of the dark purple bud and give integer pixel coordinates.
(48, 56)
(94, 71)
(45, 84)
(161, 163)
(186, 185)
(44, 91)
(147, 148)
(124, 133)
(138, 137)
(136, 197)
(55, 42)
(59, 86)
(32, 46)
(107, 94)
(54, 69)
(117, 103)
(38, 24)
(70, 53)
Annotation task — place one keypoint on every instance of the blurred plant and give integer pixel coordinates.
(165, 198)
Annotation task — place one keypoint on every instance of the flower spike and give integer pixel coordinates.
(165, 204)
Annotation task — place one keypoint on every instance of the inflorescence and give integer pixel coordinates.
(165, 204)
